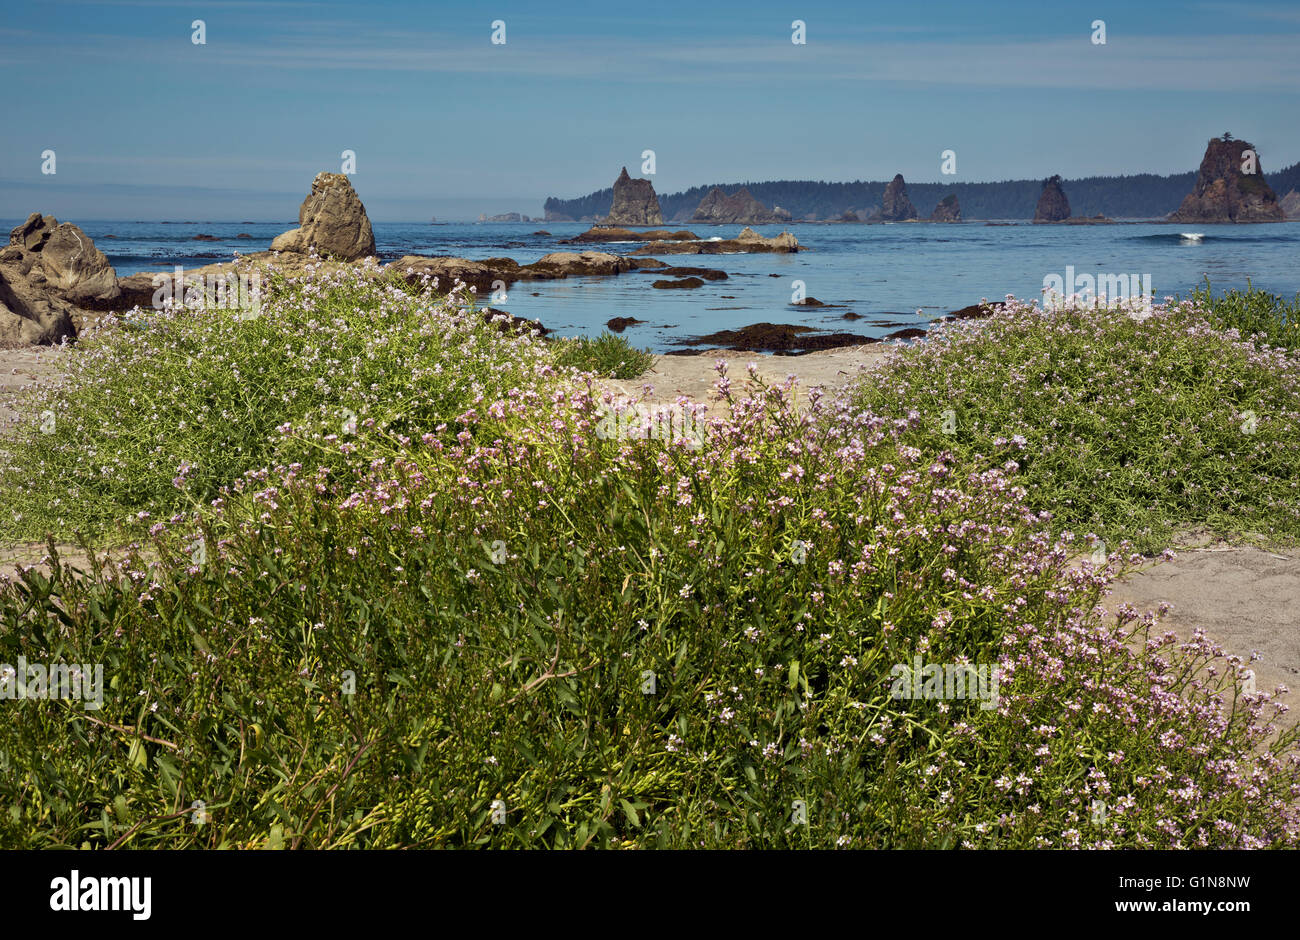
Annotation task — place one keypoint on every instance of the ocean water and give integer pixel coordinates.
(883, 273)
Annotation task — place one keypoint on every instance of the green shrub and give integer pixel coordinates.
(160, 409)
(607, 355)
(1128, 426)
(1256, 314)
(624, 642)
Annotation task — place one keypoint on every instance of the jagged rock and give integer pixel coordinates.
(1052, 204)
(76, 268)
(34, 233)
(1223, 193)
(783, 242)
(686, 282)
(332, 220)
(635, 202)
(740, 208)
(895, 206)
(29, 314)
(1290, 204)
(948, 210)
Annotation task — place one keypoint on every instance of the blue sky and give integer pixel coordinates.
(147, 125)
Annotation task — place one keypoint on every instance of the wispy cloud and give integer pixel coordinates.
(1226, 63)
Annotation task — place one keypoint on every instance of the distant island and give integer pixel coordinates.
(1141, 196)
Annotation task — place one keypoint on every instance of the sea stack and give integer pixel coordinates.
(896, 207)
(1052, 204)
(740, 208)
(1230, 187)
(1291, 205)
(332, 220)
(635, 202)
(948, 210)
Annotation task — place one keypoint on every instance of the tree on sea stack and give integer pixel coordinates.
(1230, 187)
(332, 220)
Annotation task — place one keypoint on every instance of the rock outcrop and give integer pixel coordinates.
(1290, 204)
(481, 275)
(895, 206)
(60, 257)
(51, 274)
(740, 208)
(635, 202)
(332, 220)
(605, 233)
(948, 210)
(29, 314)
(748, 241)
(1052, 204)
(1224, 193)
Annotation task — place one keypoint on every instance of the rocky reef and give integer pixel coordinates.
(1230, 187)
(748, 241)
(598, 234)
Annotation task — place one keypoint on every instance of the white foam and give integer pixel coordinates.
(1191, 236)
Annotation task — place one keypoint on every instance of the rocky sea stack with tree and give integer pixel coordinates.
(1230, 187)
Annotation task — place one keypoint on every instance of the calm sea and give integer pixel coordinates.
(884, 273)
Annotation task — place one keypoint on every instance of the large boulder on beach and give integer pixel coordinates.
(331, 220)
(1052, 204)
(30, 314)
(76, 268)
(635, 202)
(740, 208)
(60, 258)
(895, 206)
(1225, 191)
